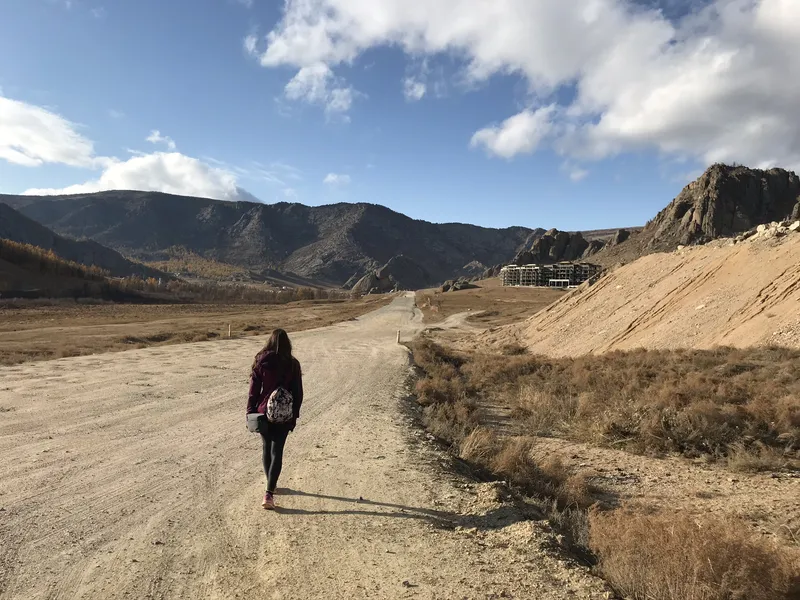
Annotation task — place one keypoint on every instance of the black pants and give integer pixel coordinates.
(273, 438)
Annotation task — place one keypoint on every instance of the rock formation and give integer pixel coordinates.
(400, 273)
(723, 202)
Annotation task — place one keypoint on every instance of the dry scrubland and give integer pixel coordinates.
(735, 407)
(654, 417)
(43, 330)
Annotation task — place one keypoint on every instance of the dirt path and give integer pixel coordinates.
(132, 476)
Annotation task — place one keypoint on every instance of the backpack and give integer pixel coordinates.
(280, 406)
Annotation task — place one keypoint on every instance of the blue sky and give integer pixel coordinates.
(515, 112)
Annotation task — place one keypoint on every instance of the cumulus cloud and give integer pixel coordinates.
(316, 84)
(155, 137)
(521, 133)
(172, 173)
(336, 179)
(413, 89)
(32, 136)
(718, 84)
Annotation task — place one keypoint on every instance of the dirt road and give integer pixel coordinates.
(132, 476)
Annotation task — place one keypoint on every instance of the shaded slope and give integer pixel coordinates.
(17, 227)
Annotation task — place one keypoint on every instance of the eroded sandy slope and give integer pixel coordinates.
(700, 297)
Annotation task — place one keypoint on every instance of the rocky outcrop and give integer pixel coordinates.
(621, 236)
(556, 246)
(457, 285)
(492, 272)
(593, 248)
(723, 202)
(400, 273)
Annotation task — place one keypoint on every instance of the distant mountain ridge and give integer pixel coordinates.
(333, 244)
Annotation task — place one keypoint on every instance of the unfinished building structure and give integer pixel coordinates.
(562, 275)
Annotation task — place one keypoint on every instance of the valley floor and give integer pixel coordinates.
(33, 330)
(131, 475)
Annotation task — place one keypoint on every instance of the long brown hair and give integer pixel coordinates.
(278, 343)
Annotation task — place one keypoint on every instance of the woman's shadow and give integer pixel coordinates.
(500, 517)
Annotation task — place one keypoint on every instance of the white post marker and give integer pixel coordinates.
(398, 336)
(229, 330)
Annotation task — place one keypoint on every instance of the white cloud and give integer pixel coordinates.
(521, 133)
(578, 174)
(155, 137)
(336, 179)
(290, 193)
(316, 84)
(251, 44)
(116, 114)
(172, 173)
(98, 13)
(33, 136)
(720, 84)
(413, 90)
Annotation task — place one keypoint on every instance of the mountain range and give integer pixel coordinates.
(370, 246)
(335, 244)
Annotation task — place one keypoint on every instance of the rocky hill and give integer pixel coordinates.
(555, 246)
(19, 228)
(723, 202)
(333, 244)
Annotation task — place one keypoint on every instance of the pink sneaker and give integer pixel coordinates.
(269, 502)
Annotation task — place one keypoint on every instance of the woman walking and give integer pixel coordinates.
(275, 372)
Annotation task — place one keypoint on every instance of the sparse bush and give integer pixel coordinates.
(673, 556)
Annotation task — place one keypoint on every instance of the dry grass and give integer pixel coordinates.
(739, 404)
(452, 414)
(33, 330)
(672, 556)
(515, 460)
(497, 305)
(736, 402)
(721, 402)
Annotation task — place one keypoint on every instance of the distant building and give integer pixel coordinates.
(560, 275)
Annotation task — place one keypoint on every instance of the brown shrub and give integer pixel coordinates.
(514, 460)
(451, 421)
(480, 446)
(671, 556)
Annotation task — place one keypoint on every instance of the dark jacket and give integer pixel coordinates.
(270, 371)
